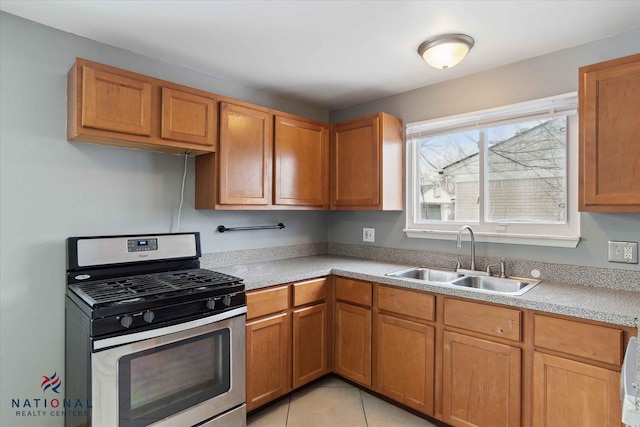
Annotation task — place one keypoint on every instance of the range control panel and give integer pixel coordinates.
(142, 245)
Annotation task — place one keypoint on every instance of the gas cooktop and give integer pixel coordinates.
(120, 290)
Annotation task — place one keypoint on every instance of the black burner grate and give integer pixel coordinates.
(194, 278)
(139, 286)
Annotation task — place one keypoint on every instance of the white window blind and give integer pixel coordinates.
(560, 105)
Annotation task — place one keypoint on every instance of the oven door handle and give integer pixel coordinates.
(154, 333)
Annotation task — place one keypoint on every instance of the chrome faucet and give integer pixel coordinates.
(473, 244)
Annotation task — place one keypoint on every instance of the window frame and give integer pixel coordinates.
(538, 234)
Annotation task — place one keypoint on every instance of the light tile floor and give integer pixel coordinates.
(332, 402)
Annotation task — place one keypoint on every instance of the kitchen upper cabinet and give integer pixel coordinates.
(111, 106)
(352, 323)
(265, 160)
(367, 163)
(189, 118)
(244, 156)
(609, 112)
(115, 102)
(405, 347)
(301, 163)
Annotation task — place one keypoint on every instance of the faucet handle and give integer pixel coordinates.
(457, 265)
(502, 269)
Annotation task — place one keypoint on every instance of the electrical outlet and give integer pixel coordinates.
(368, 234)
(625, 252)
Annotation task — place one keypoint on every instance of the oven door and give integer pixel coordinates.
(180, 376)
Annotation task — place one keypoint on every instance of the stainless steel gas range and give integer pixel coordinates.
(151, 338)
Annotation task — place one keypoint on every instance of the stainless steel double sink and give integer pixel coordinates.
(480, 282)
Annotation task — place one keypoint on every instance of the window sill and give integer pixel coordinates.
(487, 237)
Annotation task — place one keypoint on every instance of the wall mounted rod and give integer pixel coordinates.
(279, 226)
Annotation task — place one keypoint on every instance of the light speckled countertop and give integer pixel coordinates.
(619, 307)
(587, 302)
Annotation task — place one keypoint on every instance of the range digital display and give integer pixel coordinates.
(137, 245)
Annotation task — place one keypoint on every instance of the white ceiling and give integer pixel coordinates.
(331, 54)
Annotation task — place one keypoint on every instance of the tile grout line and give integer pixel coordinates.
(366, 422)
(286, 420)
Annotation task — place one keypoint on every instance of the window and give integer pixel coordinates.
(508, 172)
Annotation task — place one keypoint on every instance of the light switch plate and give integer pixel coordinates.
(624, 252)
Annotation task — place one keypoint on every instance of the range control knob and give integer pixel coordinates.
(148, 316)
(211, 303)
(126, 320)
(226, 300)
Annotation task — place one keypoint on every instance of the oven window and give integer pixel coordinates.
(156, 383)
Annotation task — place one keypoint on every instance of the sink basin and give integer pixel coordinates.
(428, 274)
(509, 286)
(466, 279)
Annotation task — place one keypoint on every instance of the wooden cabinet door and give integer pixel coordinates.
(481, 382)
(188, 117)
(405, 362)
(567, 393)
(245, 151)
(367, 163)
(115, 102)
(356, 163)
(268, 359)
(309, 344)
(301, 163)
(352, 347)
(609, 127)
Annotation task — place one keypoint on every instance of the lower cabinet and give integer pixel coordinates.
(352, 348)
(467, 363)
(405, 362)
(579, 384)
(286, 339)
(268, 359)
(570, 393)
(481, 382)
(310, 339)
(482, 364)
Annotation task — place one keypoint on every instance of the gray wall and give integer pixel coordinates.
(547, 75)
(52, 189)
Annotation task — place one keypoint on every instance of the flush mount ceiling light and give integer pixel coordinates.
(446, 50)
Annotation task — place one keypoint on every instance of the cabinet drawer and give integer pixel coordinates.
(309, 291)
(409, 303)
(594, 342)
(355, 291)
(268, 301)
(495, 321)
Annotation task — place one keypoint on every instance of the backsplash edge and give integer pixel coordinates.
(562, 273)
